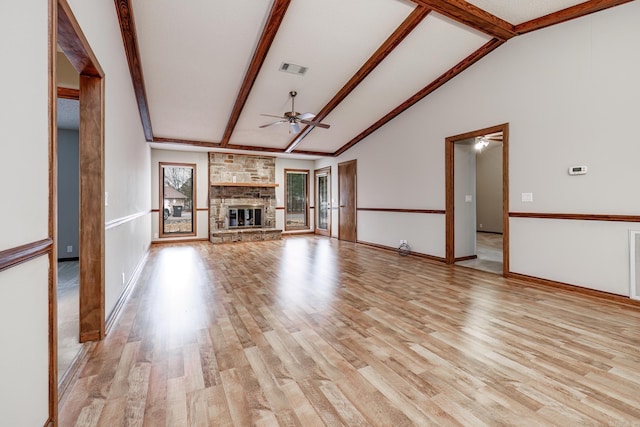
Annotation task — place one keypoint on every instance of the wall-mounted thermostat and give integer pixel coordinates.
(577, 170)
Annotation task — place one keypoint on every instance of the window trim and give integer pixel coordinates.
(194, 211)
(308, 224)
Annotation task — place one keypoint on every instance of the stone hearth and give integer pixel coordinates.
(242, 180)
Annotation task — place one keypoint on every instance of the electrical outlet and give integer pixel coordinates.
(480, 225)
(69, 249)
(155, 235)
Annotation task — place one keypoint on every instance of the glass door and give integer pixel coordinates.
(323, 201)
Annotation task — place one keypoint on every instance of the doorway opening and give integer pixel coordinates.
(67, 38)
(68, 207)
(477, 191)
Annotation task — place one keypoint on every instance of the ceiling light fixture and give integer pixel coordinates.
(481, 142)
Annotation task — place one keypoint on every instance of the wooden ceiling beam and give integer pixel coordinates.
(195, 143)
(130, 41)
(440, 81)
(275, 150)
(74, 44)
(208, 144)
(567, 14)
(472, 16)
(269, 32)
(394, 40)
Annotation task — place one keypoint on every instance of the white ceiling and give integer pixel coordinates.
(195, 54)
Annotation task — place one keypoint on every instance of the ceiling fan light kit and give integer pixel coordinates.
(294, 118)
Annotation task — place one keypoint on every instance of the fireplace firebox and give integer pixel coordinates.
(244, 216)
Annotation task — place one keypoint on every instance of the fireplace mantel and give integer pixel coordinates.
(245, 184)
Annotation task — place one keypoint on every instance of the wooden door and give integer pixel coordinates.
(347, 229)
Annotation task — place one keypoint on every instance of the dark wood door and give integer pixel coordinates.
(347, 229)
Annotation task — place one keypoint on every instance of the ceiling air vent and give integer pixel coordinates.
(293, 68)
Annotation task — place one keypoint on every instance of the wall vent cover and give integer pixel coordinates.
(293, 68)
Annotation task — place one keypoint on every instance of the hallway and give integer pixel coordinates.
(489, 251)
(314, 331)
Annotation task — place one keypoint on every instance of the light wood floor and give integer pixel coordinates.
(68, 315)
(310, 331)
(489, 252)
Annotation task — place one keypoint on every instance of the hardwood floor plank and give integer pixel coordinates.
(137, 395)
(311, 331)
(345, 409)
(218, 407)
(194, 379)
(155, 411)
(305, 413)
(176, 402)
(90, 413)
(198, 408)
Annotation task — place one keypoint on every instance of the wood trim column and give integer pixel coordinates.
(52, 280)
(449, 202)
(92, 266)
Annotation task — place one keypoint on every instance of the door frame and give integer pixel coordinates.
(450, 192)
(355, 208)
(64, 31)
(316, 173)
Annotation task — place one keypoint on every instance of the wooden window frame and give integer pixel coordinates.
(308, 224)
(194, 210)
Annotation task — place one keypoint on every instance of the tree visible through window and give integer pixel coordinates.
(297, 207)
(178, 200)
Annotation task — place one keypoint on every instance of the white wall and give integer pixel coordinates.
(24, 160)
(24, 172)
(281, 165)
(127, 155)
(489, 189)
(464, 200)
(201, 160)
(569, 93)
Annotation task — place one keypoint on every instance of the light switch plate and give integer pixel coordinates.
(527, 197)
(468, 198)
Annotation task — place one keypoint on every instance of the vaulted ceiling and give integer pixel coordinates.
(204, 71)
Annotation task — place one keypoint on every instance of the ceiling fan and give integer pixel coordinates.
(294, 118)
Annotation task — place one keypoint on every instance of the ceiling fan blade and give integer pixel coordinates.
(271, 115)
(312, 123)
(305, 116)
(295, 127)
(273, 123)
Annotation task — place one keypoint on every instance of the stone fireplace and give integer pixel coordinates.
(242, 198)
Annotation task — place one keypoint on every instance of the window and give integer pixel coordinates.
(177, 194)
(296, 194)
